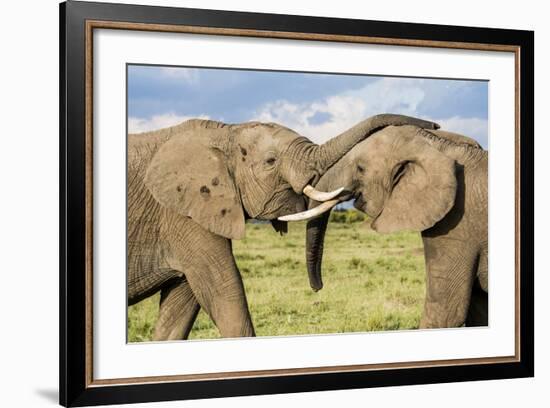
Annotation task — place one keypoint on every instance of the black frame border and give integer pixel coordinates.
(72, 126)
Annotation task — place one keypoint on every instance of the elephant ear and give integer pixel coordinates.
(189, 176)
(424, 188)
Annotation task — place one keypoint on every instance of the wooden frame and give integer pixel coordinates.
(77, 22)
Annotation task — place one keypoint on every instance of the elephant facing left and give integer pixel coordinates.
(433, 182)
(190, 189)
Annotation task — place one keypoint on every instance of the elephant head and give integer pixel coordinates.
(397, 177)
(219, 174)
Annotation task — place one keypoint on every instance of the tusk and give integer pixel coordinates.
(321, 196)
(314, 212)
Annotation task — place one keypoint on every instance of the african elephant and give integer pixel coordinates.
(408, 178)
(190, 189)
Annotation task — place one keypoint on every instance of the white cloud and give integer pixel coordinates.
(476, 128)
(345, 109)
(138, 125)
(188, 75)
(338, 112)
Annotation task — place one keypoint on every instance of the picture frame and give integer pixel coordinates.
(79, 21)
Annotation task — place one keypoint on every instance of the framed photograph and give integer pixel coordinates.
(257, 204)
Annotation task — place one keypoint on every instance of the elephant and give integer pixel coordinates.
(431, 181)
(191, 187)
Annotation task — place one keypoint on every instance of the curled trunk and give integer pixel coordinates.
(330, 152)
(315, 160)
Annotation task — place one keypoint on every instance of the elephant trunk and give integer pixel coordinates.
(339, 174)
(330, 152)
(308, 161)
(315, 238)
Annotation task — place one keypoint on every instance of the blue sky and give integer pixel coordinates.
(318, 106)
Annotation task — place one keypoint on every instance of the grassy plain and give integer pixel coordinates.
(371, 281)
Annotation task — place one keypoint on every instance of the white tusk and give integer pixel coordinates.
(321, 196)
(314, 212)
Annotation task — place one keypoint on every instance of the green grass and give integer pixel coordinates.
(371, 282)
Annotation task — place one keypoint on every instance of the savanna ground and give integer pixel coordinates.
(372, 282)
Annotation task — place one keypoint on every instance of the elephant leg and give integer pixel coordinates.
(450, 266)
(478, 313)
(214, 278)
(220, 293)
(177, 313)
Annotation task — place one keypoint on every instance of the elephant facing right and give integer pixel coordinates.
(435, 182)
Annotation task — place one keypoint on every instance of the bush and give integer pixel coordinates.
(347, 216)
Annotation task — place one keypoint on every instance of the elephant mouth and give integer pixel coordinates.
(362, 205)
(284, 202)
(360, 202)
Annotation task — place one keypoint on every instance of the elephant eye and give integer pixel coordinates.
(271, 161)
(360, 169)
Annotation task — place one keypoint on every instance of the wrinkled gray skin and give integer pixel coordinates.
(407, 178)
(190, 189)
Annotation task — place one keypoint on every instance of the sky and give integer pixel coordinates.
(318, 106)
